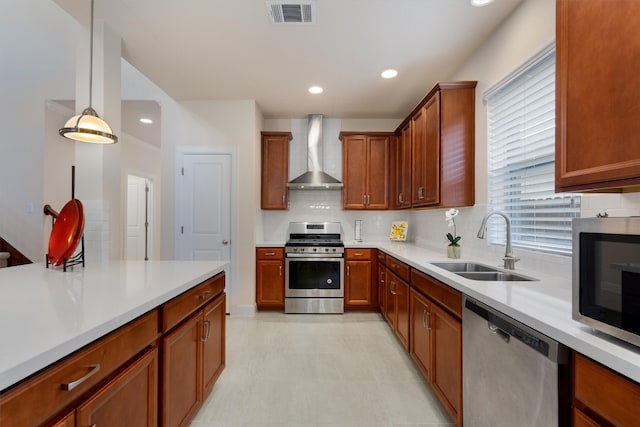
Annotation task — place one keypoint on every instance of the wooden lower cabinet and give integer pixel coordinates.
(614, 404)
(420, 328)
(397, 310)
(360, 290)
(436, 339)
(270, 278)
(193, 357)
(155, 370)
(129, 399)
(446, 378)
(382, 287)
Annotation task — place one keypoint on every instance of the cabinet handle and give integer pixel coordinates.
(206, 330)
(364, 199)
(392, 287)
(400, 201)
(73, 384)
(205, 295)
(395, 266)
(368, 199)
(348, 270)
(280, 271)
(358, 254)
(284, 199)
(269, 254)
(428, 320)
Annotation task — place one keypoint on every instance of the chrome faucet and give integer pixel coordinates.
(509, 258)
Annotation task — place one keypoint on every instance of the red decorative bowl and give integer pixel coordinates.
(66, 232)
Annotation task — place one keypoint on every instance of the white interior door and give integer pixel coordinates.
(138, 241)
(205, 232)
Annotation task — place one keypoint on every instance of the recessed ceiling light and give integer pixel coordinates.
(146, 121)
(480, 3)
(389, 74)
(315, 90)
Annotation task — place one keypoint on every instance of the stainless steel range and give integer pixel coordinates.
(314, 268)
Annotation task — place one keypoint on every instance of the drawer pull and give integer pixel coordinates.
(280, 271)
(269, 253)
(73, 384)
(358, 254)
(205, 295)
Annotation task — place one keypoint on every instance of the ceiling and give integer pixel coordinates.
(229, 49)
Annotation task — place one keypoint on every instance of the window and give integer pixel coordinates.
(521, 142)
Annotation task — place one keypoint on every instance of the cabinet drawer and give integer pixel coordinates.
(37, 399)
(442, 294)
(269, 253)
(616, 402)
(399, 268)
(382, 259)
(183, 305)
(359, 253)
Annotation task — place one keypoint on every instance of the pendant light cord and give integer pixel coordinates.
(91, 59)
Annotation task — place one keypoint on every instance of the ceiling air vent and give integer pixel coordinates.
(292, 12)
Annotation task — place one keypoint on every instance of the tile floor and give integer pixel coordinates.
(318, 370)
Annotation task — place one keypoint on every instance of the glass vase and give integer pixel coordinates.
(453, 251)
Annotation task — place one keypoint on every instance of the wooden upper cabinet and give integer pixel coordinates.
(275, 170)
(425, 174)
(597, 87)
(442, 134)
(403, 168)
(365, 170)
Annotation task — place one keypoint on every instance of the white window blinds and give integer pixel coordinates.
(521, 142)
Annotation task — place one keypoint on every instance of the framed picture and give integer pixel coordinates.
(399, 230)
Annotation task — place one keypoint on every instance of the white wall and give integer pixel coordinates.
(41, 28)
(234, 124)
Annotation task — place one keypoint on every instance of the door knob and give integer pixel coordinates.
(225, 242)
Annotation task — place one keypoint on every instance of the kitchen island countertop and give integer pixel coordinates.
(46, 314)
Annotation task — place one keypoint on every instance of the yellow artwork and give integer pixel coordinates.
(399, 230)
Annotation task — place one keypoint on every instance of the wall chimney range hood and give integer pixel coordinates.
(315, 178)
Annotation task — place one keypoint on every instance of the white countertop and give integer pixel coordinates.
(46, 314)
(544, 305)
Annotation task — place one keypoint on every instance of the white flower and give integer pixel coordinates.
(450, 215)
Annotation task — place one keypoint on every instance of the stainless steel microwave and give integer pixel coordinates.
(606, 275)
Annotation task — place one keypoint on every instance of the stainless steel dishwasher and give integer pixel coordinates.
(513, 376)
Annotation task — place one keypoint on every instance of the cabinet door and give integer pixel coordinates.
(403, 298)
(418, 135)
(420, 330)
(270, 284)
(431, 162)
(130, 399)
(378, 172)
(275, 170)
(382, 289)
(358, 284)
(390, 298)
(598, 131)
(447, 361)
(404, 168)
(213, 343)
(182, 373)
(354, 171)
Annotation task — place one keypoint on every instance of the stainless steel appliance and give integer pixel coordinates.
(314, 268)
(513, 375)
(606, 275)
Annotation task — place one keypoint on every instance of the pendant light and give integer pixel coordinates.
(88, 126)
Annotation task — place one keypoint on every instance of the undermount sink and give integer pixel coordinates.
(474, 271)
(495, 276)
(460, 267)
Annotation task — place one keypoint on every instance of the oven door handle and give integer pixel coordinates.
(323, 257)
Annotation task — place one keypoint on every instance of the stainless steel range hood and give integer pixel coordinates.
(315, 178)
